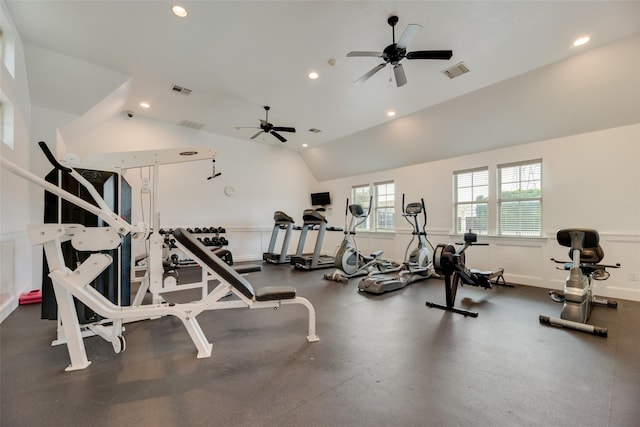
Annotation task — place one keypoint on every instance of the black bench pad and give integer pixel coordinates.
(205, 255)
(272, 293)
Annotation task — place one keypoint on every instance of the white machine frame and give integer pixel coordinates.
(76, 283)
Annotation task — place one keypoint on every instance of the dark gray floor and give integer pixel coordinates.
(381, 361)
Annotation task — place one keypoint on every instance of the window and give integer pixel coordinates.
(384, 200)
(471, 207)
(360, 196)
(520, 199)
(383, 209)
(6, 121)
(7, 44)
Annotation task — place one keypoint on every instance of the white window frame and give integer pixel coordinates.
(479, 186)
(528, 180)
(380, 202)
(6, 121)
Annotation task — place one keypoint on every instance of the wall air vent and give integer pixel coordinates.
(180, 89)
(314, 130)
(456, 70)
(191, 125)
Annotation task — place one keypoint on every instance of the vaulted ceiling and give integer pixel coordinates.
(238, 56)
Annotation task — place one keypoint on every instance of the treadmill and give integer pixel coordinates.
(282, 222)
(312, 218)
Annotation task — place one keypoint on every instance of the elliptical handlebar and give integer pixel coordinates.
(424, 212)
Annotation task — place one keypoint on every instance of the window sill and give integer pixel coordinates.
(507, 240)
(389, 234)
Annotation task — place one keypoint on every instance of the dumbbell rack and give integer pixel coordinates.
(212, 237)
(162, 276)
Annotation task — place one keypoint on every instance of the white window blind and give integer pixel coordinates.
(471, 198)
(384, 205)
(520, 199)
(383, 209)
(360, 195)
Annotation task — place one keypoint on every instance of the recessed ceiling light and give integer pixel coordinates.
(313, 75)
(391, 113)
(305, 145)
(179, 11)
(145, 105)
(582, 40)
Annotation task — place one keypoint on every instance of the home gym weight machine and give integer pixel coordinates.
(349, 261)
(417, 266)
(450, 264)
(586, 253)
(69, 284)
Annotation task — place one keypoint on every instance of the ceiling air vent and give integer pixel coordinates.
(191, 125)
(456, 70)
(180, 89)
(314, 130)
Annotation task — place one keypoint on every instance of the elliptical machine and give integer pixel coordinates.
(578, 298)
(417, 266)
(349, 261)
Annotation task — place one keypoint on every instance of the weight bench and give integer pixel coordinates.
(70, 284)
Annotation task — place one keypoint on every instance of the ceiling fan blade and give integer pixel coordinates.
(401, 78)
(430, 54)
(364, 53)
(284, 129)
(370, 73)
(408, 35)
(256, 135)
(245, 127)
(277, 135)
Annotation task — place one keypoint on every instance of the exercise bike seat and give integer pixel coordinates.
(584, 238)
(591, 255)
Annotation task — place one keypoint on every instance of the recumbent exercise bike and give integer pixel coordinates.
(578, 298)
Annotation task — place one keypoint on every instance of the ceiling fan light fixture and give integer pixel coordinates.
(397, 51)
(179, 11)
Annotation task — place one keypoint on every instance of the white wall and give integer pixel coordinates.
(590, 180)
(15, 251)
(265, 179)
